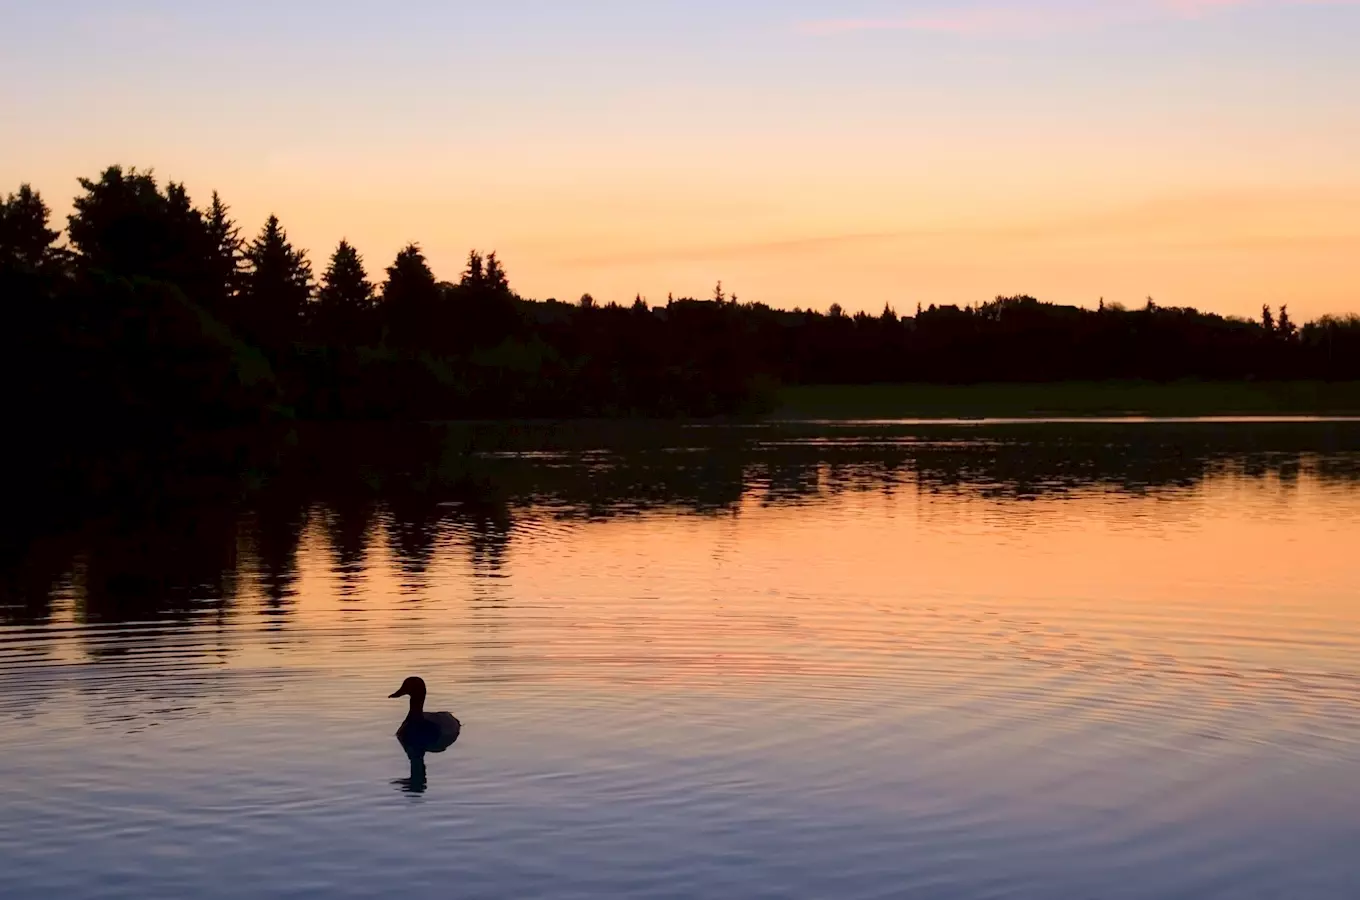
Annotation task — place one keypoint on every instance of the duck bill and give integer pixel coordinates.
(399, 693)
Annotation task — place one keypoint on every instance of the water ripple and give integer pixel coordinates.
(867, 664)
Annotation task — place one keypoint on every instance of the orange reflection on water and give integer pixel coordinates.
(1244, 577)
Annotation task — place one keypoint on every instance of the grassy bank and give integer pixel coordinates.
(1197, 398)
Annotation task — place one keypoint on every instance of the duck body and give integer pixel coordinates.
(432, 732)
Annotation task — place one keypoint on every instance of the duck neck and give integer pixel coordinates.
(417, 706)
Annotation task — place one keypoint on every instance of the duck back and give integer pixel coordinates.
(433, 732)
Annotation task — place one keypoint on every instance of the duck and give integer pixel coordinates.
(432, 732)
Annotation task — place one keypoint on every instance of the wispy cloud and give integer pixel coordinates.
(1046, 16)
(1313, 217)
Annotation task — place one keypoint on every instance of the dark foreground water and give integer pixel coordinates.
(1053, 661)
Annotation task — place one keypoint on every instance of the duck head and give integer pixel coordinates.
(412, 687)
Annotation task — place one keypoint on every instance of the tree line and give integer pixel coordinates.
(155, 310)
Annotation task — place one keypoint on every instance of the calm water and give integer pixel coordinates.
(1011, 661)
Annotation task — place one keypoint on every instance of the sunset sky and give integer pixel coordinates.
(1203, 152)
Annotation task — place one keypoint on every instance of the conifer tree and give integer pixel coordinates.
(411, 301)
(1286, 328)
(475, 273)
(494, 277)
(25, 238)
(277, 288)
(345, 302)
(223, 256)
(28, 265)
(482, 310)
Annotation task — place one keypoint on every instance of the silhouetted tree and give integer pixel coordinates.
(26, 241)
(344, 304)
(1285, 328)
(277, 288)
(475, 273)
(411, 301)
(126, 225)
(30, 351)
(494, 277)
(224, 257)
(1333, 345)
(483, 303)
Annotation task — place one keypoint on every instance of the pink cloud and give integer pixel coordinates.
(1046, 16)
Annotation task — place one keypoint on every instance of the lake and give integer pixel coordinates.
(941, 660)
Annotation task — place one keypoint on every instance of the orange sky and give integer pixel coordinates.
(803, 153)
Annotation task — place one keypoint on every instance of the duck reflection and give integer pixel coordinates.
(417, 783)
(422, 732)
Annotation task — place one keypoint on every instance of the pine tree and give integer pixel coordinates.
(28, 264)
(344, 305)
(409, 274)
(277, 288)
(494, 277)
(1286, 328)
(223, 254)
(483, 310)
(25, 240)
(177, 202)
(475, 273)
(411, 301)
(188, 249)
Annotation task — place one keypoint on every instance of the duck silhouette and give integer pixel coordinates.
(424, 732)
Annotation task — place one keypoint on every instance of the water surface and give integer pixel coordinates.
(1088, 660)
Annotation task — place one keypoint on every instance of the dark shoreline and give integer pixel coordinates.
(1080, 399)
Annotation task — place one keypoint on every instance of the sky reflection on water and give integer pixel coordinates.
(1019, 661)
